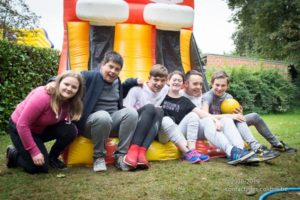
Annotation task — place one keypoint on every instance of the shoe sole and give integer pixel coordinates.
(256, 160)
(285, 150)
(242, 159)
(55, 167)
(195, 162)
(205, 160)
(100, 170)
(142, 166)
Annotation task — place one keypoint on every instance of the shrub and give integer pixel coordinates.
(262, 91)
(22, 68)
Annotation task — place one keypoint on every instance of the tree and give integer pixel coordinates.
(267, 29)
(14, 16)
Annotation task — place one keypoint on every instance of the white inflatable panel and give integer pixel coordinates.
(169, 16)
(102, 12)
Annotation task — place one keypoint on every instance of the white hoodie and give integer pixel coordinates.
(137, 96)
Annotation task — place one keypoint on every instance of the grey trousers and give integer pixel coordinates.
(101, 125)
(255, 120)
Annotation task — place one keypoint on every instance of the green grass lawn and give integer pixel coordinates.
(166, 179)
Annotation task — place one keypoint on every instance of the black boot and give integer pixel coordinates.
(56, 163)
(11, 156)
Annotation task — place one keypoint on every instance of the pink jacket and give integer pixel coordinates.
(33, 115)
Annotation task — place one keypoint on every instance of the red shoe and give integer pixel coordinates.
(131, 158)
(142, 160)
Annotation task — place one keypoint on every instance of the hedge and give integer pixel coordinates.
(22, 68)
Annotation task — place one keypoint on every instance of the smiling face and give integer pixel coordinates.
(68, 87)
(156, 83)
(220, 86)
(110, 71)
(193, 86)
(175, 82)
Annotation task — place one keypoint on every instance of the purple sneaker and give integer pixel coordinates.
(191, 157)
(202, 157)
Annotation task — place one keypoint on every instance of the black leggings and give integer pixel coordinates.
(149, 123)
(62, 132)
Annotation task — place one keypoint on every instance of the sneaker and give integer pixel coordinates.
(202, 157)
(11, 153)
(99, 165)
(56, 163)
(264, 154)
(282, 147)
(143, 163)
(131, 158)
(191, 157)
(120, 164)
(238, 155)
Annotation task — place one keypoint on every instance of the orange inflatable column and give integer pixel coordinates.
(69, 15)
(185, 45)
(78, 34)
(133, 42)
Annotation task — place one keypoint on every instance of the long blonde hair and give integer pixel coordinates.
(75, 103)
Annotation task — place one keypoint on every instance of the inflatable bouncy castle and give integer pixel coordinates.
(144, 32)
(37, 37)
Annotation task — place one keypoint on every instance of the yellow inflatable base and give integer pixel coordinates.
(80, 152)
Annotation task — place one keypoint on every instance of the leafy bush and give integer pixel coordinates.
(22, 68)
(262, 91)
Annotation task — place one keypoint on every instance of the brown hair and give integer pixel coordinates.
(219, 75)
(159, 70)
(114, 57)
(176, 72)
(76, 104)
(192, 72)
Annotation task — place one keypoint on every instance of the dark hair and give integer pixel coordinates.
(112, 56)
(159, 70)
(190, 73)
(176, 72)
(219, 75)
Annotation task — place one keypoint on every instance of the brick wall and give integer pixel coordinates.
(219, 61)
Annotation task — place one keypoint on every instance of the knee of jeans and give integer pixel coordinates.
(132, 113)
(193, 116)
(226, 120)
(207, 121)
(150, 109)
(159, 112)
(167, 123)
(69, 132)
(253, 118)
(101, 117)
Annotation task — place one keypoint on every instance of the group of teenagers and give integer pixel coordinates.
(166, 107)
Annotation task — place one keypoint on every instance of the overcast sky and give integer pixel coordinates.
(211, 27)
